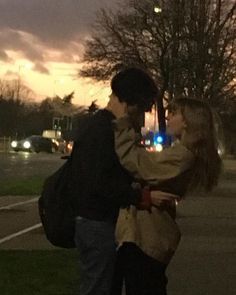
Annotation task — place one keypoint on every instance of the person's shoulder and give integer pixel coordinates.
(178, 146)
(182, 153)
(178, 153)
(103, 121)
(96, 125)
(103, 115)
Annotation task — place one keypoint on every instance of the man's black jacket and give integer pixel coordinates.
(100, 184)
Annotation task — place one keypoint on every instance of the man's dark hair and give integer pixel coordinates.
(135, 87)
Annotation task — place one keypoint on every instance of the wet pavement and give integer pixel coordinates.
(205, 262)
(23, 164)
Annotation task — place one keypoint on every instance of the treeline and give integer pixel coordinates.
(20, 118)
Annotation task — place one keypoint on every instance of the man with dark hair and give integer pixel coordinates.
(101, 185)
(135, 87)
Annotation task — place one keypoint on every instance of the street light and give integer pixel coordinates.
(157, 9)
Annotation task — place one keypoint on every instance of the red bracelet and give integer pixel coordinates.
(145, 202)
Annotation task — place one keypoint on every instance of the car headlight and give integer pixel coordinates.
(158, 147)
(26, 144)
(14, 144)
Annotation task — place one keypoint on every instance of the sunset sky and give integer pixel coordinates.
(42, 42)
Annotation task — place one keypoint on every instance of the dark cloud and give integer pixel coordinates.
(33, 28)
(54, 22)
(21, 42)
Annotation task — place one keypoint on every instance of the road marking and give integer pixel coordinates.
(19, 233)
(19, 204)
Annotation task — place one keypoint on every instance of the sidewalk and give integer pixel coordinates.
(205, 262)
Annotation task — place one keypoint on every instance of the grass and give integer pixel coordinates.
(38, 272)
(33, 185)
(21, 186)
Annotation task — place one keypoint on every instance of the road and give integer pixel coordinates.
(14, 220)
(23, 164)
(205, 262)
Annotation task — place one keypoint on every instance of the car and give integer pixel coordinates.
(60, 144)
(34, 143)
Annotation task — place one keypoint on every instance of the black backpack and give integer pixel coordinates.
(56, 207)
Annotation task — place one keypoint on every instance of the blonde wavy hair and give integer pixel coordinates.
(201, 139)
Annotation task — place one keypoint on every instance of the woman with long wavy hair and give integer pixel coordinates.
(147, 240)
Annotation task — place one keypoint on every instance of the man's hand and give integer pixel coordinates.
(158, 198)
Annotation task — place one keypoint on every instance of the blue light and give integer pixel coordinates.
(159, 139)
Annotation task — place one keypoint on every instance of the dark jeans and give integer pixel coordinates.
(97, 250)
(142, 274)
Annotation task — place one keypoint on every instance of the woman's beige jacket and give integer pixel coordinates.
(155, 232)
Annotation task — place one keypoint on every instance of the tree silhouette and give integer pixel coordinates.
(188, 47)
(93, 107)
(67, 99)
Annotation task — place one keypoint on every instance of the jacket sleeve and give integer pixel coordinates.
(111, 180)
(149, 166)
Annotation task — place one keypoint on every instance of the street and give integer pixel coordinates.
(205, 262)
(24, 164)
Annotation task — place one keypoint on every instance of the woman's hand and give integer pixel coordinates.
(159, 198)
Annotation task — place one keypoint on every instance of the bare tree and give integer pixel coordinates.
(187, 46)
(15, 89)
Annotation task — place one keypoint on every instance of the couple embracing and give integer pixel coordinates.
(125, 225)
